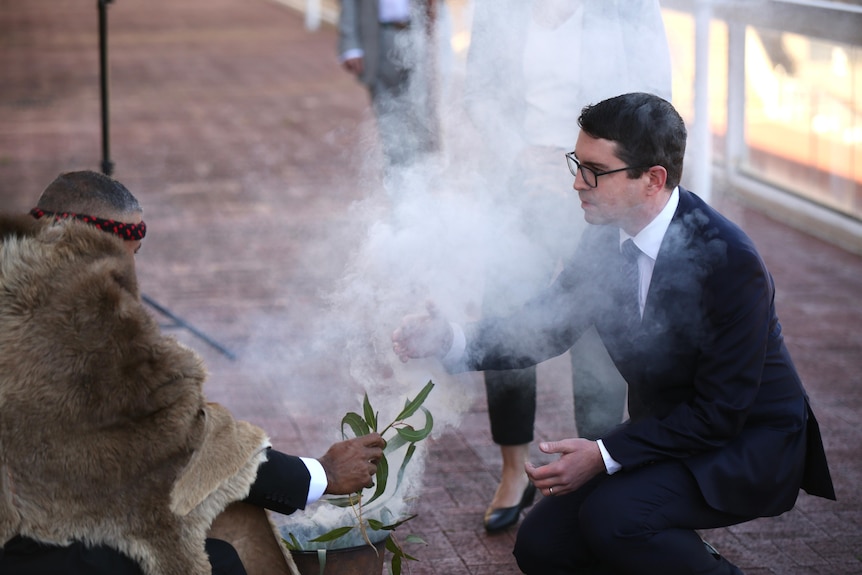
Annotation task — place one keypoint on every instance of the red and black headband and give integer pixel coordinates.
(121, 229)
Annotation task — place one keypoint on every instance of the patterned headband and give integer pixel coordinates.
(121, 229)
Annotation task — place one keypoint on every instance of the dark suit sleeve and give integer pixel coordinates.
(282, 483)
(551, 322)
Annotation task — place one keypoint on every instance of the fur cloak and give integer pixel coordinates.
(105, 435)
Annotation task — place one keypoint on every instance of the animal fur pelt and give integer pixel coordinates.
(105, 435)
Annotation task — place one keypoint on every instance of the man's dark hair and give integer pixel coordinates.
(646, 129)
(88, 192)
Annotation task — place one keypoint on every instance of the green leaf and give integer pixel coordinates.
(411, 406)
(382, 476)
(333, 535)
(293, 544)
(343, 501)
(407, 457)
(412, 435)
(370, 416)
(397, 524)
(391, 545)
(380, 526)
(394, 563)
(356, 423)
(376, 525)
(414, 539)
(395, 443)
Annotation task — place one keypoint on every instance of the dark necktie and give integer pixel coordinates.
(631, 281)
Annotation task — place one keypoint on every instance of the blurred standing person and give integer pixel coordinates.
(389, 46)
(532, 66)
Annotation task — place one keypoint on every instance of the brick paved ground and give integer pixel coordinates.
(245, 142)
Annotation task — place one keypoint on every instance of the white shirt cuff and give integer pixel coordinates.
(458, 347)
(352, 53)
(318, 482)
(611, 464)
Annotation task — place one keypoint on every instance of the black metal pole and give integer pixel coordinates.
(107, 164)
(180, 322)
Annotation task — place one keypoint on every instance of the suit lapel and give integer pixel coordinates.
(671, 282)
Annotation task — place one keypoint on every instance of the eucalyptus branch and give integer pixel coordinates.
(361, 507)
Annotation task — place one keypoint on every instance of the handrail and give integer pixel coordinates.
(827, 4)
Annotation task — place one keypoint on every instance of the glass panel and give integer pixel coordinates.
(804, 116)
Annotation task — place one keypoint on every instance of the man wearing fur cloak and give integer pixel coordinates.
(106, 440)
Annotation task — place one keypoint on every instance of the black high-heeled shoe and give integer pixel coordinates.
(504, 517)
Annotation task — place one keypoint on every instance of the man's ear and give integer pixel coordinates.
(657, 178)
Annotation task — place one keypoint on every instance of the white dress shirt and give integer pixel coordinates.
(318, 482)
(648, 241)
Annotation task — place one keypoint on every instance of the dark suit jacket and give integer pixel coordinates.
(710, 380)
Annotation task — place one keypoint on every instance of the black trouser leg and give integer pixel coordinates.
(642, 521)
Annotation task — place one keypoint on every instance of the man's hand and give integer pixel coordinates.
(354, 65)
(581, 460)
(350, 465)
(422, 335)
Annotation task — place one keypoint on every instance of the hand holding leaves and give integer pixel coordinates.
(350, 464)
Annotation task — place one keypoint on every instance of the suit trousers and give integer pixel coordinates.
(511, 405)
(632, 523)
(23, 556)
(401, 97)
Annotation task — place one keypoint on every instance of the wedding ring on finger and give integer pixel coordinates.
(550, 490)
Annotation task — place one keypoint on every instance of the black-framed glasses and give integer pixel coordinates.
(590, 176)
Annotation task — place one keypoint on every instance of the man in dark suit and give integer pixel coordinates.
(519, 96)
(720, 429)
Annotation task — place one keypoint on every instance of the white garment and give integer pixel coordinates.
(552, 72)
(394, 11)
